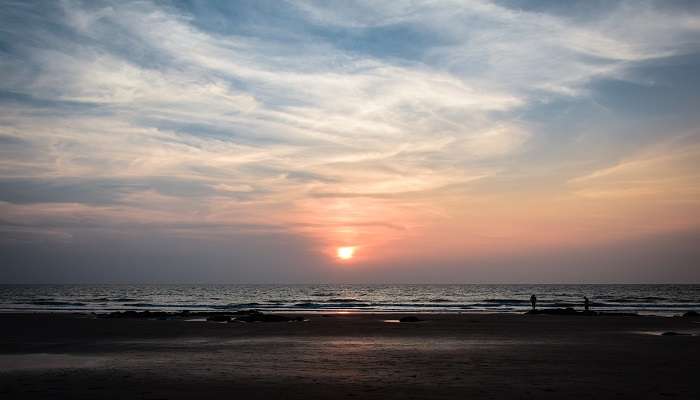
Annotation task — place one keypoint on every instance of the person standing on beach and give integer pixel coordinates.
(586, 303)
(533, 301)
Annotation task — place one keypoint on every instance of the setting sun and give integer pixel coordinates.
(346, 253)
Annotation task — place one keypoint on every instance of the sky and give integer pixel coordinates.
(443, 141)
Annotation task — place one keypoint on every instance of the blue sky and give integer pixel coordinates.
(246, 141)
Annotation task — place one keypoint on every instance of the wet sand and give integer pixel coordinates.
(350, 357)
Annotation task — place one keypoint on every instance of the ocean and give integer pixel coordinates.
(644, 299)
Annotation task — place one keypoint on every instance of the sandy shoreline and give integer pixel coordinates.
(350, 356)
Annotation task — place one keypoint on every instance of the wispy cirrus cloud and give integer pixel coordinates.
(336, 121)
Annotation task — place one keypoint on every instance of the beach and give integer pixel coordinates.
(346, 355)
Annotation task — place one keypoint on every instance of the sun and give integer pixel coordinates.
(346, 252)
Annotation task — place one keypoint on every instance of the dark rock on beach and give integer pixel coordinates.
(618, 314)
(219, 318)
(246, 312)
(557, 311)
(241, 315)
(410, 319)
(137, 314)
(691, 314)
(571, 311)
(675, 334)
(161, 314)
(260, 317)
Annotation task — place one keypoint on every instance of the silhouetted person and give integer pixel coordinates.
(533, 301)
(586, 303)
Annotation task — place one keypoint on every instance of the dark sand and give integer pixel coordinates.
(350, 356)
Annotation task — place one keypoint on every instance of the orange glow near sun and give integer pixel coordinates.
(345, 253)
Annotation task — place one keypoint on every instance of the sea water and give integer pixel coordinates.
(643, 299)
